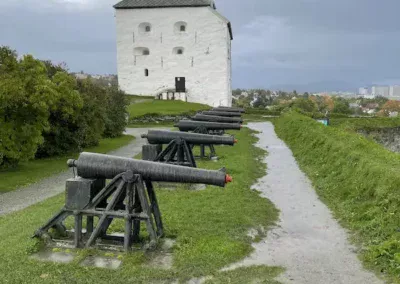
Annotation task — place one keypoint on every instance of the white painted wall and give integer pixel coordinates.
(206, 62)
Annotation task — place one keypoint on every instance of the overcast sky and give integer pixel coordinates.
(310, 45)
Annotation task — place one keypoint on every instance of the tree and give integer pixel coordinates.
(116, 112)
(93, 114)
(389, 107)
(26, 96)
(330, 104)
(61, 136)
(341, 106)
(306, 105)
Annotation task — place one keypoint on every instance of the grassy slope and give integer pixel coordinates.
(157, 107)
(365, 123)
(210, 228)
(35, 170)
(358, 179)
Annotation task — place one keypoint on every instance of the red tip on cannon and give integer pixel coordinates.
(228, 179)
(235, 141)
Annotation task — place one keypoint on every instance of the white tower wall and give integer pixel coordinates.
(205, 62)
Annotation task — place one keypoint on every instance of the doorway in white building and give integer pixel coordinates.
(180, 84)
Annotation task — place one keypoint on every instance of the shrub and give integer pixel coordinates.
(61, 136)
(357, 178)
(91, 119)
(26, 96)
(116, 113)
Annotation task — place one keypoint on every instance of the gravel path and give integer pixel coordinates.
(49, 187)
(307, 242)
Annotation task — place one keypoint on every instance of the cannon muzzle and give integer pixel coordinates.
(98, 166)
(214, 118)
(222, 113)
(190, 125)
(229, 109)
(165, 137)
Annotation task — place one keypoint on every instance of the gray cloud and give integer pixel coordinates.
(314, 43)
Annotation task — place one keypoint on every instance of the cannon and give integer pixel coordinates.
(205, 127)
(229, 109)
(214, 118)
(129, 195)
(180, 145)
(222, 113)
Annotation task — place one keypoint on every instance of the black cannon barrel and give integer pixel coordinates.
(165, 137)
(215, 118)
(222, 113)
(229, 109)
(91, 166)
(190, 125)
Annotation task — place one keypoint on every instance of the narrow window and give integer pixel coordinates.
(183, 28)
(179, 50)
(148, 29)
(146, 72)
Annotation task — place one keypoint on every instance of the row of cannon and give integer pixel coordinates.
(109, 187)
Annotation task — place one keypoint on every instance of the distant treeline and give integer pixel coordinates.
(45, 111)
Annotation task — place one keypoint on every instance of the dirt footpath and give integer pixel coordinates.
(307, 242)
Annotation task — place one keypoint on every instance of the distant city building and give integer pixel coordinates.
(382, 91)
(394, 91)
(81, 76)
(363, 91)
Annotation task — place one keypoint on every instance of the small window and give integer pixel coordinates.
(145, 28)
(139, 51)
(180, 28)
(178, 50)
(146, 72)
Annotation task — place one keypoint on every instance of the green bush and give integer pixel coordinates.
(319, 115)
(92, 117)
(61, 137)
(45, 112)
(357, 178)
(26, 96)
(116, 112)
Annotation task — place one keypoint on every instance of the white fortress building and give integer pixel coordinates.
(175, 46)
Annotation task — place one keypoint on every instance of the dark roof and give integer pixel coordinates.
(138, 4)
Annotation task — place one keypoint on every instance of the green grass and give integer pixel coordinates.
(358, 179)
(36, 170)
(372, 123)
(160, 108)
(210, 228)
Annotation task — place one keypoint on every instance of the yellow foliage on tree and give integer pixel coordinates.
(330, 104)
(388, 107)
